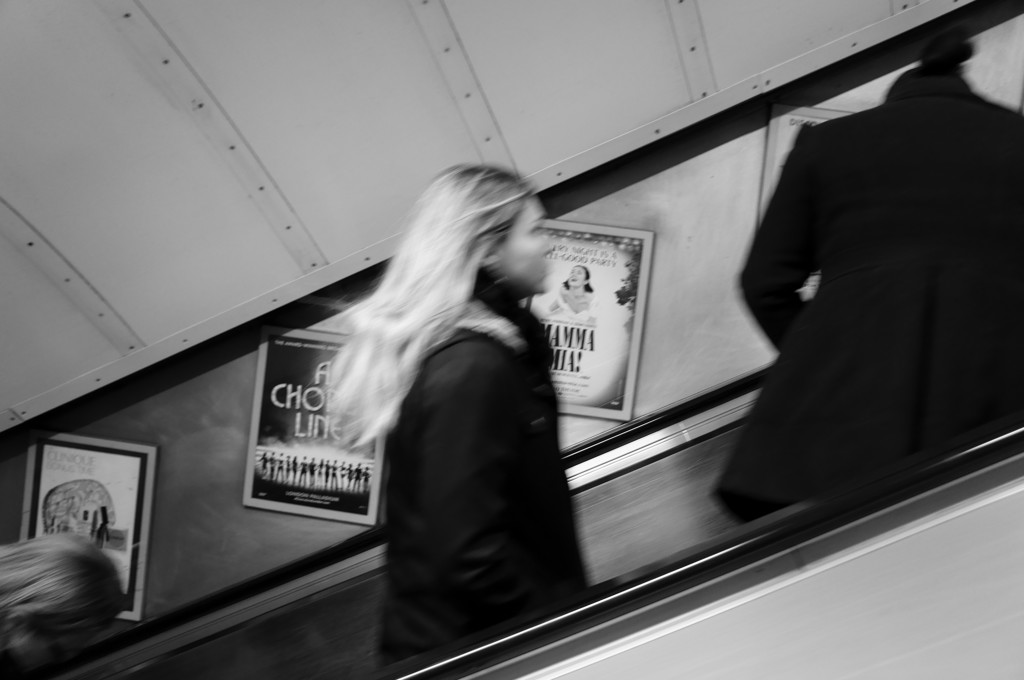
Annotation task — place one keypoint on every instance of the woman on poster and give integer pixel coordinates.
(574, 300)
(445, 363)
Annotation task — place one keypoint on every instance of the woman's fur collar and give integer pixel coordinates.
(480, 319)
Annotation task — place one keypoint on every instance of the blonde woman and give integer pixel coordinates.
(446, 364)
(56, 594)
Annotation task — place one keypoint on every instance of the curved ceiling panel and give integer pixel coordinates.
(121, 184)
(744, 37)
(342, 101)
(562, 77)
(45, 338)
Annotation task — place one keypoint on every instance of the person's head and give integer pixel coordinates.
(579, 277)
(472, 219)
(944, 54)
(56, 594)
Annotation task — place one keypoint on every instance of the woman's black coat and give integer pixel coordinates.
(914, 213)
(480, 522)
(8, 669)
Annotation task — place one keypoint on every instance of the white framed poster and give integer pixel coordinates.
(295, 462)
(593, 311)
(99, 489)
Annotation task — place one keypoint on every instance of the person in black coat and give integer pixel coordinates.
(446, 365)
(914, 214)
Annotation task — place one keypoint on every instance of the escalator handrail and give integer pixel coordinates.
(375, 537)
(639, 427)
(751, 543)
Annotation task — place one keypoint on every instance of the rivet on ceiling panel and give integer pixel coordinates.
(693, 50)
(458, 73)
(38, 250)
(9, 419)
(185, 89)
(902, 5)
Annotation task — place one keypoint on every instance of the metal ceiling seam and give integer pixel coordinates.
(165, 348)
(450, 56)
(693, 47)
(185, 88)
(721, 100)
(38, 250)
(640, 136)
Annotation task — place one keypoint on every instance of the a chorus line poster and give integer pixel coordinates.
(593, 313)
(296, 463)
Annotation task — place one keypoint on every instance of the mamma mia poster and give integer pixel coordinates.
(593, 312)
(296, 463)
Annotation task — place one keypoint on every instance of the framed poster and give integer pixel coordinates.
(101, 490)
(593, 313)
(295, 462)
(786, 122)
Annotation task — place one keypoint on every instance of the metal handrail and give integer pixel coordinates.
(756, 541)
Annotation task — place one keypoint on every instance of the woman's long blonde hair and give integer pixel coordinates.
(53, 586)
(458, 221)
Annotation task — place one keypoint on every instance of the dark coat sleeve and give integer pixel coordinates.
(782, 254)
(471, 438)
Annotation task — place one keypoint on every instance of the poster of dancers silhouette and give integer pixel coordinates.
(295, 461)
(593, 311)
(101, 490)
